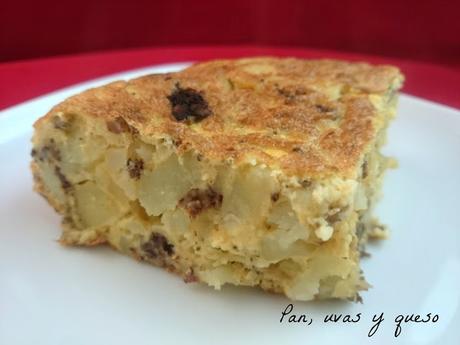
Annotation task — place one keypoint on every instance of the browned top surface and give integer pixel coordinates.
(305, 117)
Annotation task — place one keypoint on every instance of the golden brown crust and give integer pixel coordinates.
(305, 117)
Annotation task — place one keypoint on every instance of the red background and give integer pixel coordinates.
(423, 30)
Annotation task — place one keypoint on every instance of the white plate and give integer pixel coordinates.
(55, 295)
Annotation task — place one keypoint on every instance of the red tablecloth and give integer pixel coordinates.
(20, 81)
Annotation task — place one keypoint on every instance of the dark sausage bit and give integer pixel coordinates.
(63, 122)
(157, 246)
(199, 200)
(135, 167)
(65, 184)
(291, 94)
(190, 276)
(336, 216)
(275, 196)
(188, 104)
(360, 230)
(365, 172)
(49, 152)
(323, 108)
(305, 183)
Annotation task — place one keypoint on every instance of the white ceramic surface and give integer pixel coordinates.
(55, 295)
